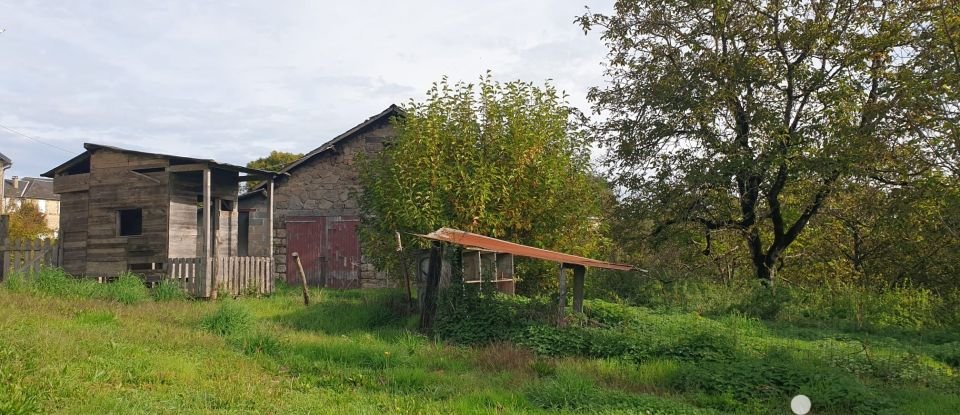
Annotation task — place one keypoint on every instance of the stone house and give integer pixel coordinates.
(316, 213)
(34, 190)
(5, 163)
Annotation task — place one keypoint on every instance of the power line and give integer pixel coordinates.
(35, 139)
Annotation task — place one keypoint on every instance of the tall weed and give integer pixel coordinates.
(230, 319)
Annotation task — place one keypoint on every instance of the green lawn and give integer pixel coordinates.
(351, 352)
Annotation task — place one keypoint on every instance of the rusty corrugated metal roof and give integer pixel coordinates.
(477, 241)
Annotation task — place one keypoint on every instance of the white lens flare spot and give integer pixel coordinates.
(800, 405)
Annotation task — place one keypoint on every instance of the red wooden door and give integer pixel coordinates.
(305, 236)
(342, 252)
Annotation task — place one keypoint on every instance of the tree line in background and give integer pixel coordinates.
(807, 142)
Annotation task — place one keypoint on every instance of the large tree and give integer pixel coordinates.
(745, 116)
(506, 160)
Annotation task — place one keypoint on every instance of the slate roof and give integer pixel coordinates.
(5, 161)
(391, 111)
(30, 188)
(91, 147)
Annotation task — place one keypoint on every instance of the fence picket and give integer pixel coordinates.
(235, 275)
(28, 258)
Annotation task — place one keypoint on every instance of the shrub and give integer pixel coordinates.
(466, 317)
(230, 319)
(775, 377)
(700, 346)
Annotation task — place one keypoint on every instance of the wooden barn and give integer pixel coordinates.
(157, 215)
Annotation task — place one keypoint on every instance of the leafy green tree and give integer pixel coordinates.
(508, 160)
(747, 116)
(27, 222)
(938, 79)
(275, 161)
(885, 234)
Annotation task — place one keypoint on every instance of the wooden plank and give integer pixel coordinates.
(562, 303)
(188, 167)
(579, 273)
(71, 183)
(270, 221)
(250, 278)
(207, 233)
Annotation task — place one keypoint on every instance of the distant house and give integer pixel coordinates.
(125, 210)
(5, 164)
(34, 190)
(316, 211)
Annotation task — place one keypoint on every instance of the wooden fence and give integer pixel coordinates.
(234, 275)
(188, 273)
(28, 257)
(244, 275)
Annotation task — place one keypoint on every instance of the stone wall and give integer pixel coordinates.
(326, 185)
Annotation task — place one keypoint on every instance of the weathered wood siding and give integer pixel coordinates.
(114, 186)
(186, 221)
(184, 239)
(73, 230)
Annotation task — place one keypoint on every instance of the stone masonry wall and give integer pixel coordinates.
(327, 185)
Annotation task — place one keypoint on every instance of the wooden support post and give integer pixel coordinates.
(208, 266)
(303, 279)
(406, 271)
(432, 286)
(562, 303)
(270, 224)
(579, 272)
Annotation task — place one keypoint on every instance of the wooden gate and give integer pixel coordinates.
(28, 257)
(343, 253)
(329, 250)
(305, 237)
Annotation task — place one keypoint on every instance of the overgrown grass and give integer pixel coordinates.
(69, 347)
(125, 289)
(732, 362)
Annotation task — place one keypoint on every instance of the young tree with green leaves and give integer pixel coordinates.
(26, 222)
(275, 161)
(507, 160)
(746, 116)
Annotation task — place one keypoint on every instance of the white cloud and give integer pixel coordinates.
(196, 78)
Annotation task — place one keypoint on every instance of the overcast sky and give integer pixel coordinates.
(232, 80)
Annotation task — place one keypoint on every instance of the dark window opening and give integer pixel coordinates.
(150, 170)
(226, 205)
(79, 168)
(145, 266)
(243, 234)
(131, 222)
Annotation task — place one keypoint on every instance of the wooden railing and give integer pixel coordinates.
(234, 275)
(28, 257)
